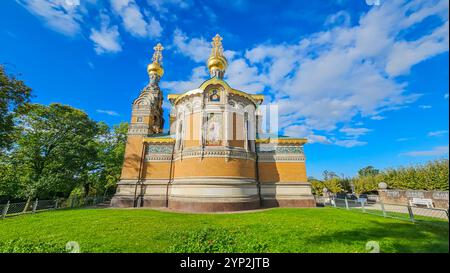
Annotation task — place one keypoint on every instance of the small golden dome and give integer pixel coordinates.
(217, 61)
(155, 68)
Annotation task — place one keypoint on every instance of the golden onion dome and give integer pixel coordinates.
(217, 61)
(156, 66)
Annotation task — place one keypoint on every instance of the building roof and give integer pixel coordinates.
(256, 99)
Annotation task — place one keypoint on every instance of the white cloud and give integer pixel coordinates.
(163, 6)
(198, 49)
(58, 15)
(401, 139)
(405, 54)
(134, 21)
(332, 77)
(425, 106)
(436, 151)
(354, 132)
(340, 18)
(377, 117)
(107, 38)
(438, 133)
(243, 77)
(108, 112)
(349, 143)
(197, 77)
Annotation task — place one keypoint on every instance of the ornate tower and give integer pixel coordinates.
(147, 114)
(146, 118)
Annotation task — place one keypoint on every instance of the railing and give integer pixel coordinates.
(404, 212)
(13, 209)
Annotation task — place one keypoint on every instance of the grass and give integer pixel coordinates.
(274, 230)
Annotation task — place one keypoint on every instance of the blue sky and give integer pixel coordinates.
(366, 81)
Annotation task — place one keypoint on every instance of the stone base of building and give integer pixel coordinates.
(291, 195)
(213, 206)
(212, 196)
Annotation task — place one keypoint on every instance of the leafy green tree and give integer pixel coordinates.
(366, 184)
(54, 150)
(334, 185)
(9, 175)
(368, 171)
(316, 186)
(110, 146)
(329, 175)
(14, 94)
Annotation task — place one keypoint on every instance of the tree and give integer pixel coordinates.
(329, 175)
(110, 146)
(368, 171)
(316, 186)
(55, 149)
(334, 185)
(14, 94)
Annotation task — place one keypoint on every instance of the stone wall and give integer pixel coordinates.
(439, 198)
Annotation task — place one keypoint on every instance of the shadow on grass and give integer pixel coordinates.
(393, 237)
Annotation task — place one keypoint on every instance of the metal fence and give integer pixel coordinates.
(13, 209)
(404, 212)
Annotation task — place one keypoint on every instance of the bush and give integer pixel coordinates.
(430, 176)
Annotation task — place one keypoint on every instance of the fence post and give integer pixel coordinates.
(35, 205)
(411, 214)
(5, 210)
(346, 203)
(362, 206)
(382, 208)
(71, 202)
(56, 203)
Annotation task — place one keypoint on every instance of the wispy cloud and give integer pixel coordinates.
(438, 133)
(134, 20)
(401, 139)
(364, 61)
(436, 151)
(108, 112)
(425, 106)
(348, 143)
(107, 38)
(377, 117)
(446, 96)
(354, 132)
(61, 16)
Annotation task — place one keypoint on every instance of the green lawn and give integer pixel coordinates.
(274, 230)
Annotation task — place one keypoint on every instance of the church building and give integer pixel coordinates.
(215, 156)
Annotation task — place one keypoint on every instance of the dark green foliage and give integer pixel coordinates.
(14, 94)
(61, 150)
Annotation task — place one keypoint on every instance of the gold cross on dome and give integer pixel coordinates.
(157, 55)
(217, 49)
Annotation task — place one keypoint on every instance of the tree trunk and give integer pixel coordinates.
(27, 204)
(86, 190)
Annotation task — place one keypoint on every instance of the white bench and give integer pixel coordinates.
(420, 201)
